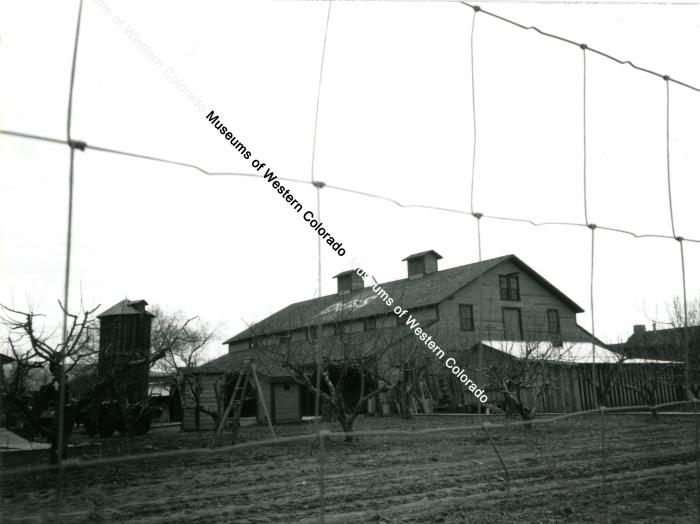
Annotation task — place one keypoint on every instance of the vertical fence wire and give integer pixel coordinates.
(69, 240)
(477, 216)
(318, 91)
(598, 400)
(594, 370)
(686, 350)
(471, 65)
(60, 429)
(319, 185)
(506, 473)
(584, 131)
(668, 154)
(322, 435)
(697, 458)
(604, 463)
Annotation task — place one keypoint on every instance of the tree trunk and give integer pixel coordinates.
(53, 450)
(527, 414)
(404, 403)
(196, 415)
(347, 425)
(524, 412)
(53, 437)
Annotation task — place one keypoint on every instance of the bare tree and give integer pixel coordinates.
(182, 342)
(522, 372)
(356, 363)
(33, 350)
(676, 312)
(649, 380)
(404, 366)
(678, 339)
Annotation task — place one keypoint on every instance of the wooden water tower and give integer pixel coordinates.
(125, 345)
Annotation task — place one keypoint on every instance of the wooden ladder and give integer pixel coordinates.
(237, 399)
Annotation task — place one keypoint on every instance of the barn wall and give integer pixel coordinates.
(535, 300)
(240, 345)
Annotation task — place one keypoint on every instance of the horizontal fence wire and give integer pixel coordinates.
(335, 481)
(368, 433)
(343, 189)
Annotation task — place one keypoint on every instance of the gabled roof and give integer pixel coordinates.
(430, 289)
(126, 307)
(347, 348)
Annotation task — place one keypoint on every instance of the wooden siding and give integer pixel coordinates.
(572, 386)
(535, 300)
(285, 402)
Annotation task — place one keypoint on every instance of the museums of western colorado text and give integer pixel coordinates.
(269, 175)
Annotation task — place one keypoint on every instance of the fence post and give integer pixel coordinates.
(321, 450)
(503, 464)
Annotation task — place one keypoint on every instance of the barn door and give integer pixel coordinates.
(512, 324)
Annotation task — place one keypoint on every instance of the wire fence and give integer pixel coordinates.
(413, 474)
(616, 463)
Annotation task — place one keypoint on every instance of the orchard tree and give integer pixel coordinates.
(522, 371)
(346, 363)
(181, 343)
(36, 352)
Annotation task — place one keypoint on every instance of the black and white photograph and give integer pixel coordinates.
(343, 261)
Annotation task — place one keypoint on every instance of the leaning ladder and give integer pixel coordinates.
(239, 390)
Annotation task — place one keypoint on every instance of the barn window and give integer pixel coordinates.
(466, 317)
(370, 323)
(285, 338)
(553, 321)
(312, 332)
(509, 286)
(286, 387)
(512, 323)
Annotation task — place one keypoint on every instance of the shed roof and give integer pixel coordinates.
(569, 353)
(232, 362)
(430, 289)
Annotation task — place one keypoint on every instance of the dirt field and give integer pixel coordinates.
(445, 476)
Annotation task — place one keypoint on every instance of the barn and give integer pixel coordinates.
(498, 307)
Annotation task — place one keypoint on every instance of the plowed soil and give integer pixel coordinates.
(557, 473)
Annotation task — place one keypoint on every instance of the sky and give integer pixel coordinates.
(394, 118)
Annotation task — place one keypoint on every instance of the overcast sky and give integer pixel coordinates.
(395, 119)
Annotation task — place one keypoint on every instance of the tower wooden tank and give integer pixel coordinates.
(125, 345)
